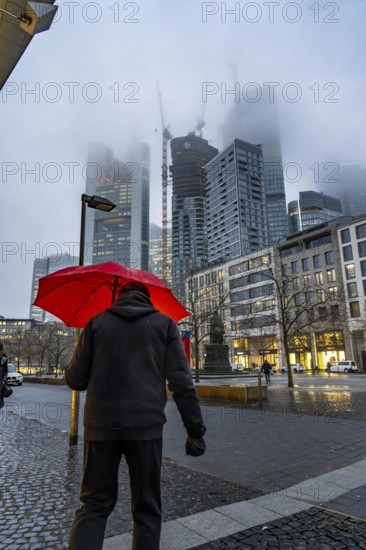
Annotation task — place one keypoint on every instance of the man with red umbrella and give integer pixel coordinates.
(123, 358)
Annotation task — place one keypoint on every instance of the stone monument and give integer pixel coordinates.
(216, 352)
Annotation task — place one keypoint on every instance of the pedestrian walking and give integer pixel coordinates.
(3, 373)
(266, 368)
(123, 358)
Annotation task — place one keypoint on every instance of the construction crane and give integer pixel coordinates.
(166, 135)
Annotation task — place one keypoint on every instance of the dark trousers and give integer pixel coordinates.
(99, 492)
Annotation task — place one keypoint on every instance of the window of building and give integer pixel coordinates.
(294, 267)
(350, 271)
(297, 299)
(333, 292)
(331, 275)
(354, 308)
(308, 298)
(321, 296)
(316, 260)
(296, 283)
(352, 290)
(305, 264)
(322, 312)
(345, 236)
(361, 231)
(284, 269)
(347, 253)
(364, 286)
(202, 281)
(221, 274)
(362, 249)
(363, 268)
(318, 278)
(329, 258)
(334, 309)
(307, 280)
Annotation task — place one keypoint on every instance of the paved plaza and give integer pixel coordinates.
(288, 475)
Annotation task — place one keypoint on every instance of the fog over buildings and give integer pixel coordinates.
(92, 79)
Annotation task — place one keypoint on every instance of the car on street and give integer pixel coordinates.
(344, 366)
(237, 367)
(295, 367)
(14, 377)
(273, 367)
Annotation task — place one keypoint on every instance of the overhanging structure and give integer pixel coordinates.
(19, 22)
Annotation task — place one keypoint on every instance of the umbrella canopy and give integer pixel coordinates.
(75, 294)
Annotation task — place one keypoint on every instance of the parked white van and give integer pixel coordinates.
(344, 366)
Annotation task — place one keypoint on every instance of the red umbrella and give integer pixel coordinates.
(75, 294)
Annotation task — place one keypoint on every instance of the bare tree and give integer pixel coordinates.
(201, 305)
(301, 307)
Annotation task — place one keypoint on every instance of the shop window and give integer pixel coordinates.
(354, 309)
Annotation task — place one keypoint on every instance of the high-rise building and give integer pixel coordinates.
(256, 122)
(236, 205)
(41, 268)
(347, 182)
(190, 154)
(121, 235)
(156, 253)
(311, 209)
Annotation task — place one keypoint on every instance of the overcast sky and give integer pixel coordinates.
(93, 76)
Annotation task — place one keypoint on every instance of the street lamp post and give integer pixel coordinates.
(98, 203)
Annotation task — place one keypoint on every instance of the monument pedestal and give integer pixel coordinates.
(216, 358)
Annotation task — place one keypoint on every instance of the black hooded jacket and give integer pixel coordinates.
(123, 359)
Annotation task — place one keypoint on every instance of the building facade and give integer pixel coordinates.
(189, 154)
(121, 235)
(312, 209)
(352, 243)
(236, 206)
(314, 281)
(156, 252)
(257, 122)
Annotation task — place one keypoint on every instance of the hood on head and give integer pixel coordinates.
(132, 305)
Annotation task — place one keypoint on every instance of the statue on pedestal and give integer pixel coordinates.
(216, 352)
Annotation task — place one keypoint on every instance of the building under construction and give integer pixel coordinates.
(189, 154)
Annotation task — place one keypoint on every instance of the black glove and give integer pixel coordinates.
(195, 447)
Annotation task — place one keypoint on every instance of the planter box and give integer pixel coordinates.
(230, 393)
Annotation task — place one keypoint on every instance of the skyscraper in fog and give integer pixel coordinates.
(311, 209)
(236, 204)
(156, 253)
(347, 182)
(41, 268)
(121, 235)
(256, 122)
(190, 155)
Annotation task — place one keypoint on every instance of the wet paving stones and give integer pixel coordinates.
(40, 487)
(314, 529)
